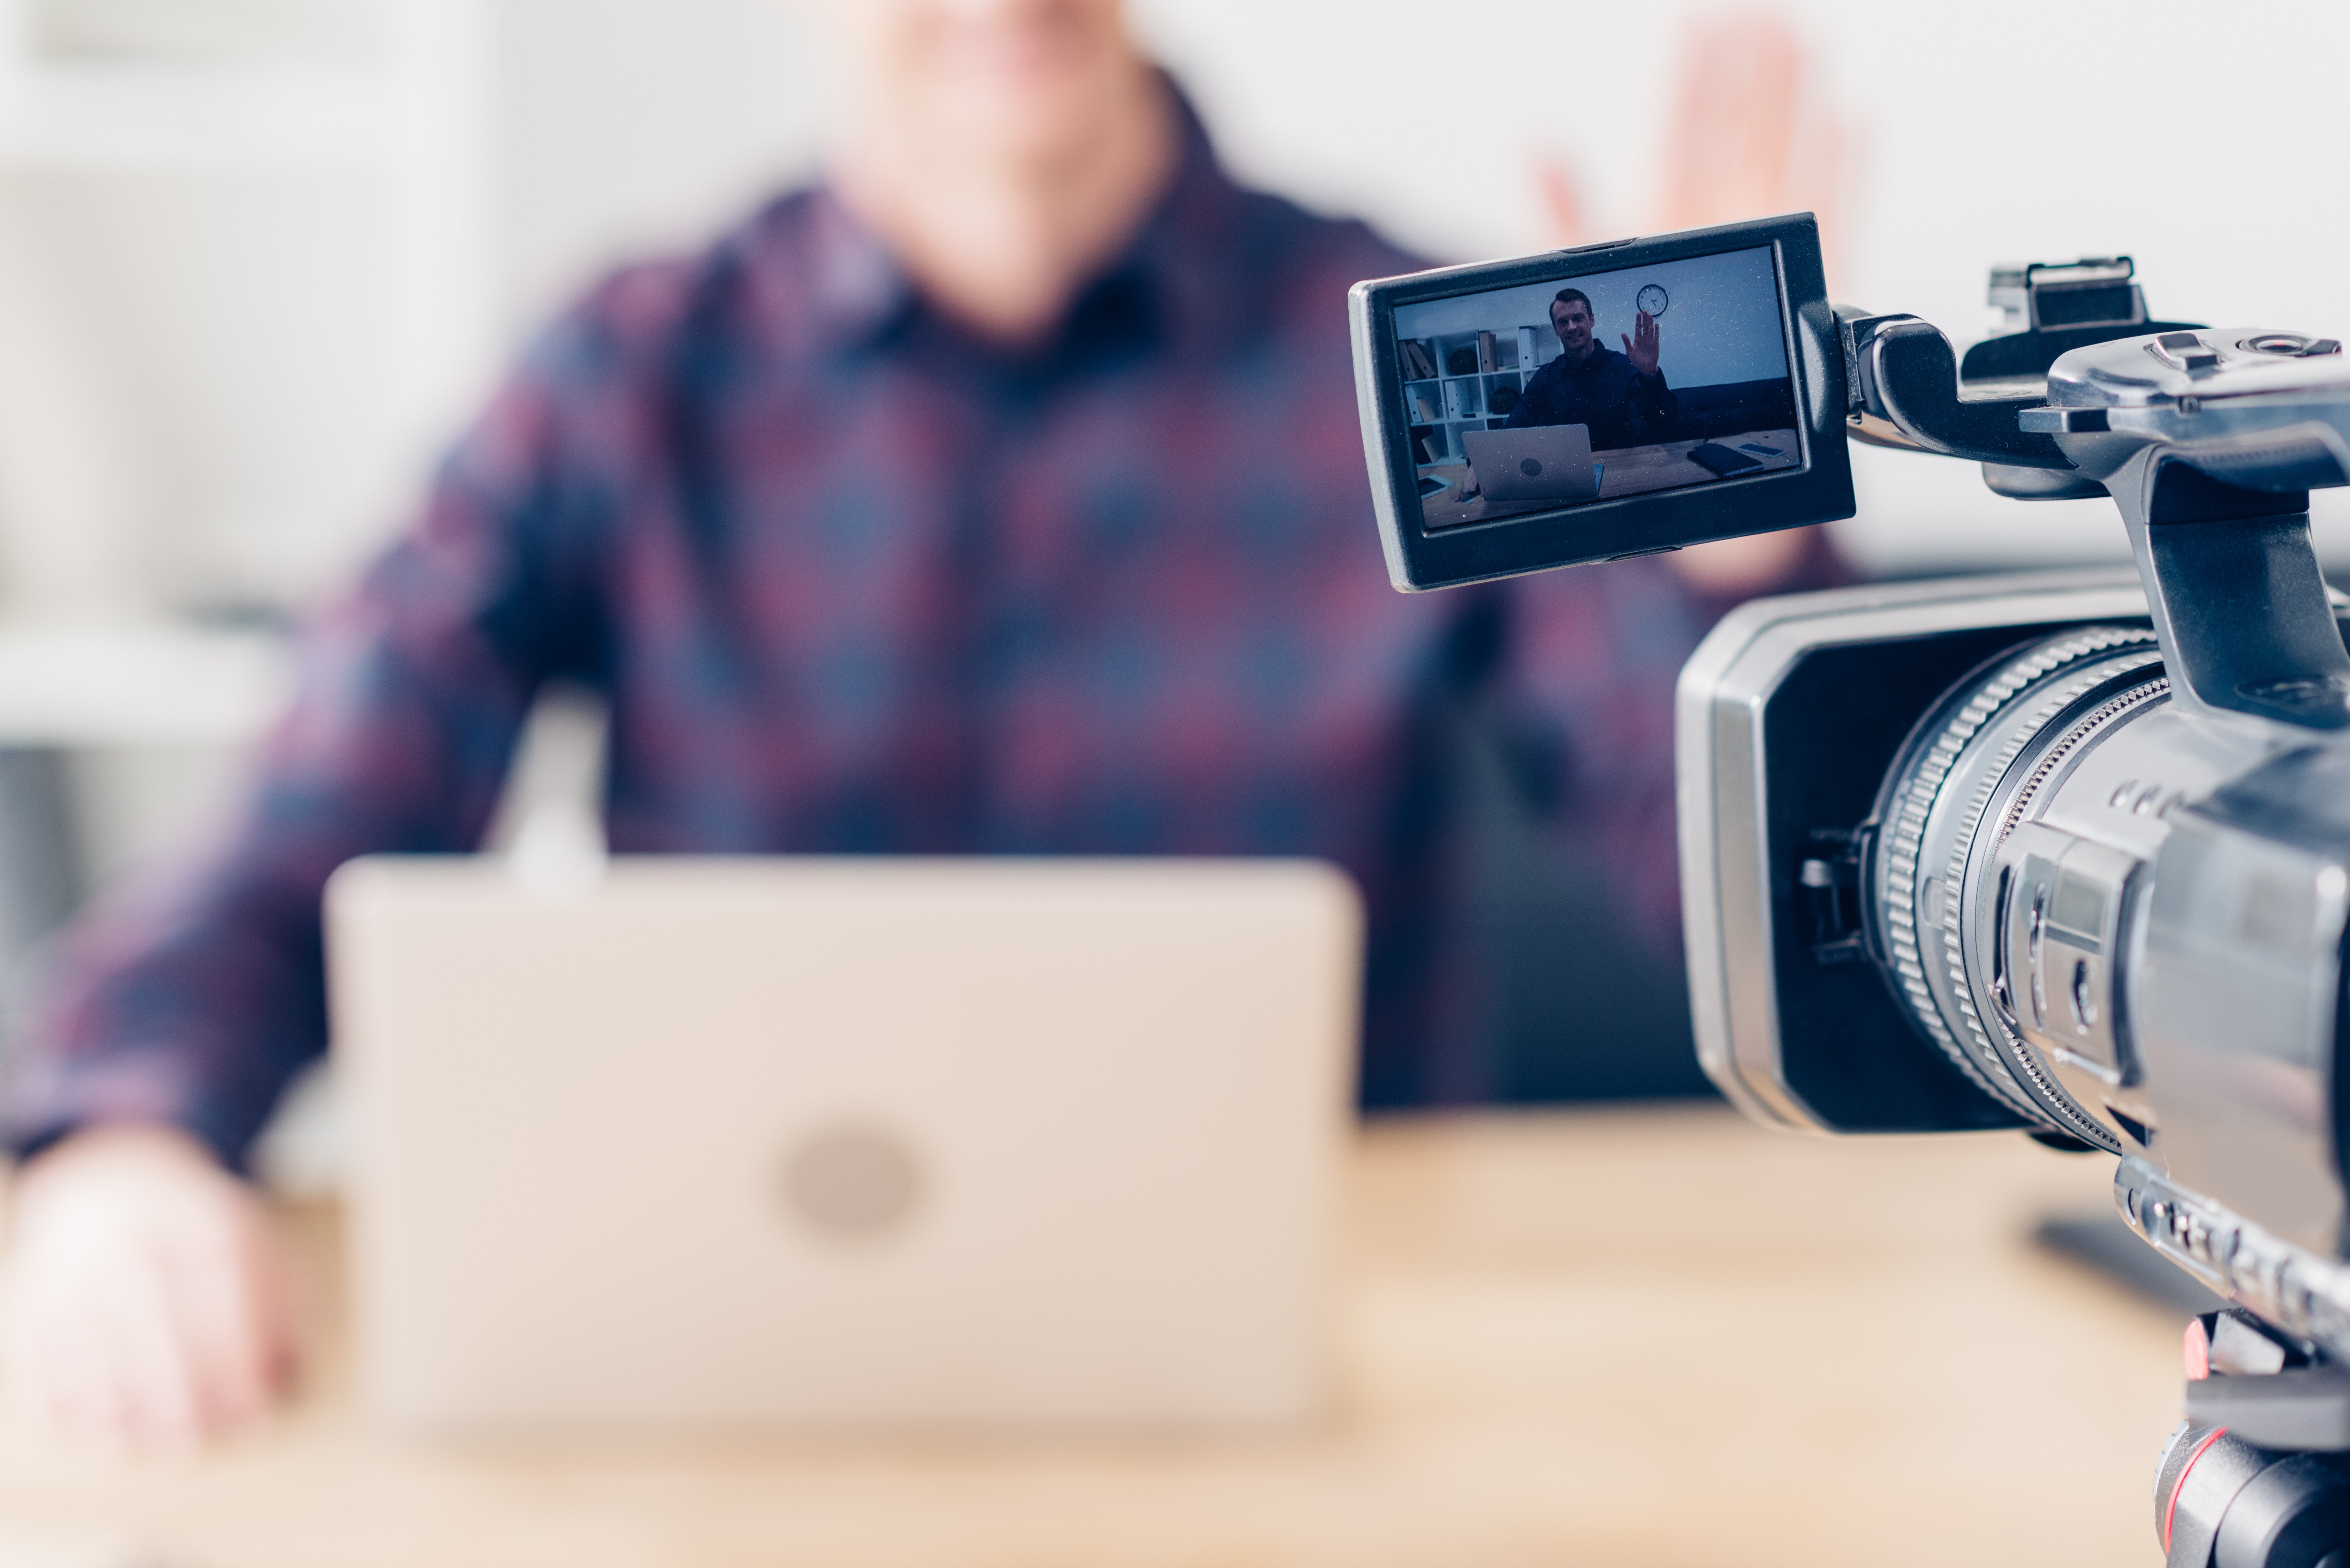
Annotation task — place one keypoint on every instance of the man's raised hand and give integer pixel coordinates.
(1753, 130)
(1641, 347)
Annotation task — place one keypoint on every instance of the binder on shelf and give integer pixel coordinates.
(1487, 354)
(1419, 364)
(1531, 342)
(1424, 405)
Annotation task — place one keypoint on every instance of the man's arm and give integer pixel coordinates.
(1652, 409)
(192, 996)
(1533, 403)
(143, 1296)
(1649, 406)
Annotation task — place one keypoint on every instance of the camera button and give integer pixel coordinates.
(2185, 351)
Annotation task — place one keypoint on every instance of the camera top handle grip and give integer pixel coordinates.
(2220, 528)
(1902, 389)
(1905, 385)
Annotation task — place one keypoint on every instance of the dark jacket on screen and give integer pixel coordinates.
(1622, 407)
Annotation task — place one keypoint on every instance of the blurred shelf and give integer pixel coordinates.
(138, 683)
(143, 118)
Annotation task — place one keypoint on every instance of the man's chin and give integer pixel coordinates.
(989, 123)
(1049, 111)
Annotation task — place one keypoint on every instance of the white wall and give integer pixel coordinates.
(203, 415)
(623, 126)
(238, 282)
(260, 258)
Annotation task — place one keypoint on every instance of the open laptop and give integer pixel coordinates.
(1538, 462)
(980, 1144)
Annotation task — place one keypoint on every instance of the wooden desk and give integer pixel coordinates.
(1609, 1338)
(1631, 471)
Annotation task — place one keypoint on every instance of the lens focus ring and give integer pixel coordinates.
(1931, 817)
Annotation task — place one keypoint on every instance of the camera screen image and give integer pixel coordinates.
(1575, 389)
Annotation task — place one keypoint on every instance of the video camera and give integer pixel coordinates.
(2063, 852)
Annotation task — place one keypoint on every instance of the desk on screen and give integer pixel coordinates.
(1630, 471)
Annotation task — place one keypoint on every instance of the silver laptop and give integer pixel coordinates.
(1539, 462)
(844, 1143)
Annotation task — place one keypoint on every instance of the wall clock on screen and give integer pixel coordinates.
(1652, 299)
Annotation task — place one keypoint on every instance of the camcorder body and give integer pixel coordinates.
(2062, 853)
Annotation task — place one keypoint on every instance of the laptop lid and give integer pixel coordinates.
(869, 1143)
(1538, 462)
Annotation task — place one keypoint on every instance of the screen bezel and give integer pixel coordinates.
(1818, 490)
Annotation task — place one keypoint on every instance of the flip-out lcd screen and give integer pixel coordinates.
(1657, 378)
(1589, 404)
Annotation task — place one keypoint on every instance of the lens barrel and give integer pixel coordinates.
(1966, 946)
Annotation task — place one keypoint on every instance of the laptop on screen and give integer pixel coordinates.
(1537, 462)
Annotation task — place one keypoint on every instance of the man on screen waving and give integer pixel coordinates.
(1621, 397)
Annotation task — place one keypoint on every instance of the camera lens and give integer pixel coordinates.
(1949, 919)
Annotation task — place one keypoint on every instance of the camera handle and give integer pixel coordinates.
(1902, 389)
(2240, 607)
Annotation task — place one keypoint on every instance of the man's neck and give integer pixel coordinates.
(1001, 245)
(1578, 360)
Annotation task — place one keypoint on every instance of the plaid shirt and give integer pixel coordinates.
(853, 582)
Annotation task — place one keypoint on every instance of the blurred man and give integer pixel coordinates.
(1002, 492)
(1621, 397)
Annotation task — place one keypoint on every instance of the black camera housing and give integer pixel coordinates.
(1794, 713)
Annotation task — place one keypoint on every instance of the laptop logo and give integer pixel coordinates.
(1529, 467)
(852, 1181)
